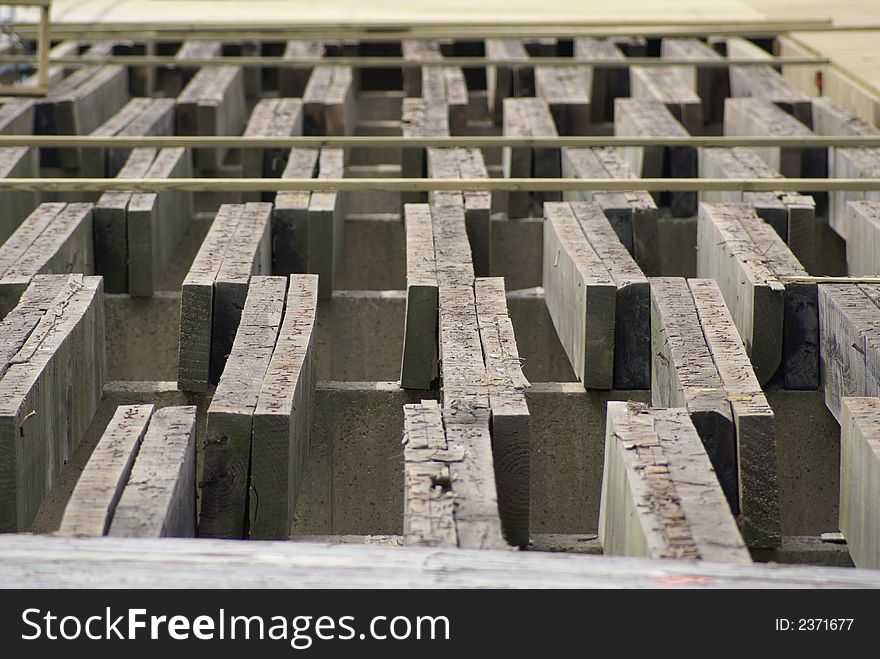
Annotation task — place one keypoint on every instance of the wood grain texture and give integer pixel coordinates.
(860, 479)
(529, 117)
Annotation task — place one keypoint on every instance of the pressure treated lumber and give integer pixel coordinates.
(765, 82)
(419, 361)
(849, 342)
(529, 117)
(159, 499)
(633, 117)
(468, 163)
(48, 393)
(712, 84)
(55, 239)
(283, 417)
(93, 503)
(271, 117)
(212, 103)
(157, 223)
(633, 214)
(664, 85)
(860, 480)
(227, 447)
(213, 293)
(290, 220)
(603, 84)
(465, 392)
(777, 319)
(328, 102)
(505, 80)
(660, 496)
(564, 88)
(509, 412)
(428, 515)
(581, 297)
(863, 242)
(293, 82)
(792, 215)
(761, 117)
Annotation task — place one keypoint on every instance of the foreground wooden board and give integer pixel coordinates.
(159, 499)
(860, 479)
(283, 417)
(48, 393)
(419, 360)
(41, 561)
(660, 496)
(863, 241)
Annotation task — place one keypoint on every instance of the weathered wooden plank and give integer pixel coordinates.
(93, 502)
(17, 162)
(290, 238)
(175, 78)
(508, 408)
(110, 225)
(633, 214)
(529, 117)
(758, 117)
(212, 103)
(443, 86)
(863, 241)
(603, 84)
(565, 90)
(419, 118)
(765, 82)
(428, 513)
(633, 118)
(157, 223)
(326, 224)
(419, 361)
(503, 81)
(660, 496)
(271, 117)
(860, 479)
(753, 419)
(581, 297)
(159, 499)
(227, 448)
(683, 374)
(712, 84)
(54, 239)
(48, 396)
(282, 423)
(293, 82)
(665, 85)
(328, 102)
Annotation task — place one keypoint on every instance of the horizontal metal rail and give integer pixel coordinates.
(437, 184)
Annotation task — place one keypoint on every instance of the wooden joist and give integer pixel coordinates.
(509, 424)
(159, 499)
(863, 238)
(175, 78)
(214, 290)
(468, 163)
(792, 215)
(712, 84)
(283, 417)
(564, 88)
(290, 220)
(860, 480)
(603, 84)
(293, 82)
(665, 85)
(849, 342)
(17, 205)
(633, 118)
(529, 117)
(55, 239)
(328, 101)
(757, 117)
(503, 81)
(441, 86)
(466, 414)
(419, 362)
(777, 320)
(52, 379)
(765, 82)
(420, 118)
(93, 503)
(581, 297)
(212, 103)
(633, 214)
(660, 496)
(326, 222)
(271, 117)
(699, 363)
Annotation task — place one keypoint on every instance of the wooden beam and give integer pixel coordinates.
(93, 503)
(860, 480)
(665, 85)
(528, 117)
(290, 252)
(159, 499)
(283, 417)
(328, 102)
(271, 117)
(17, 161)
(176, 77)
(419, 360)
(564, 88)
(660, 496)
(711, 83)
(604, 82)
(326, 224)
(863, 242)
(511, 79)
(293, 82)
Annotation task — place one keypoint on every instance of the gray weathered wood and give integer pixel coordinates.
(290, 237)
(328, 101)
(665, 85)
(326, 224)
(93, 502)
(506, 80)
(603, 84)
(860, 479)
(419, 361)
(227, 449)
(442, 86)
(271, 117)
(660, 496)
(293, 82)
(159, 499)
(282, 423)
(712, 84)
(175, 78)
(863, 238)
(565, 90)
(420, 118)
(529, 117)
